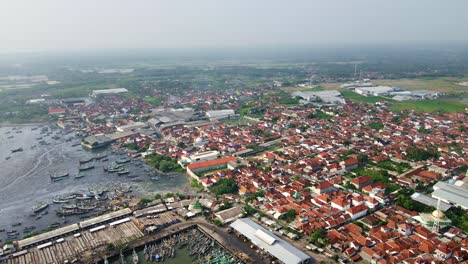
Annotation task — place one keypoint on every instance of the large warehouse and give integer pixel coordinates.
(269, 242)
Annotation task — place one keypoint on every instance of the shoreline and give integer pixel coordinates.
(22, 124)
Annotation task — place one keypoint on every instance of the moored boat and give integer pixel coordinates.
(88, 167)
(40, 207)
(56, 177)
(16, 150)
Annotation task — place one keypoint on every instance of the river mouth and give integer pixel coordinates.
(25, 178)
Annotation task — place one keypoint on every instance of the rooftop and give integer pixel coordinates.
(265, 239)
(48, 235)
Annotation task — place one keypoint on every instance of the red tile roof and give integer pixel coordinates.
(210, 163)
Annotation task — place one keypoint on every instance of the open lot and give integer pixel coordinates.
(431, 106)
(447, 84)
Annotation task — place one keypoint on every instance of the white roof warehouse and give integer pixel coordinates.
(269, 242)
(108, 91)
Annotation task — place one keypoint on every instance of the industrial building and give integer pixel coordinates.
(199, 157)
(451, 194)
(131, 126)
(97, 141)
(97, 93)
(266, 240)
(329, 97)
(375, 91)
(220, 114)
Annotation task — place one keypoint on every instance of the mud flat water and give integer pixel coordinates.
(25, 176)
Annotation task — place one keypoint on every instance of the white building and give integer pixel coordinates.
(131, 126)
(220, 114)
(97, 93)
(374, 91)
(266, 240)
(329, 96)
(451, 194)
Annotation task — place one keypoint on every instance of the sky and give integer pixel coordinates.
(80, 25)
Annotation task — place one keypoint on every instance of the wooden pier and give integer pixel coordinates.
(81, 245)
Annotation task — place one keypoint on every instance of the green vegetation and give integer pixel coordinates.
(249, 210)
(254, 196)
(241, 121)
(287, 100)
(319, 237)
(252, 111)
(319, 114)
(418, 154)
(459, 217)
(378, 175)
(289, 216)
(347, 94)
(224, 186)
(444, 84)
(195, 184)
(22, 113)
(163, 163)
(404, 200)
(376, 125)
(154, 101)
(144, 201)
(430, 106)
(393, 166)
(217, 223)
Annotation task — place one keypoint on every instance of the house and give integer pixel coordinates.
(361, 181)
(229, 215)
(371, 255)
(340, 203)
(357, 211)
(323, 187)
(207, 182)
(56, 110)
(349, 164)
(210, 164)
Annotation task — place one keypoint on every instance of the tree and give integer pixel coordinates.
(318, 234)
(249, 210)
(224, 186)
(289, 216)
(418, 154)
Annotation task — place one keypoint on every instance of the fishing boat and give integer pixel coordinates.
(40, 207)
(88, 167)
(7, 158)
(123, 172)
(123, 160)
(98, 157)
(16, 150)
(87, 208)
(80, 175)
(82, 161)
(59, 200)
(69, 207)
(59, 177)
(11, 136)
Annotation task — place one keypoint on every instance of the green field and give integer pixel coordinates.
(430, 106)
(302, 89)
(241, 121)
(347, 94)
(446, 84)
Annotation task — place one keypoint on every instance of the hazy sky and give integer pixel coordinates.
(43, 25)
